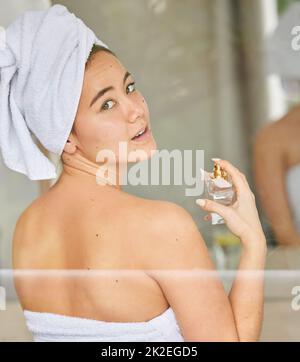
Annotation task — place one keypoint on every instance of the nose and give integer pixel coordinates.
(134, 110)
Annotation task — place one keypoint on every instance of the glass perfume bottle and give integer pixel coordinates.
(220, 188)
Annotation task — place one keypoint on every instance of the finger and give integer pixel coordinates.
(230, 167)
(212, 206)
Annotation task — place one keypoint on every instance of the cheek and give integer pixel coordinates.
(89, 132)
(103, 134)
(113, 132)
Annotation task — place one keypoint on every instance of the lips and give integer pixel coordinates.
(140, 133)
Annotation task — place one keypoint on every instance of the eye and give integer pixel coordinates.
(131, 85)
(104, 107)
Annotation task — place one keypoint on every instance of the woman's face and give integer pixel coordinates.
(111, 110)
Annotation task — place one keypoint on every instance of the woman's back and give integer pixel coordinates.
(80, 239)
(79, 228)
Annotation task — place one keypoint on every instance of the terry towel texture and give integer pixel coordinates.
(49, 327)
(42, 67)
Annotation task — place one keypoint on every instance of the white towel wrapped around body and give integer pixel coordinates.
(42, 67)
(51, 327)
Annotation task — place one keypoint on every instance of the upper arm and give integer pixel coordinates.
(268, 155)
(269, 166)
(178, 260)
(19, 235)
(267, 161)
(24, 240)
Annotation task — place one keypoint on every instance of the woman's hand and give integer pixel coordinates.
(242, 217)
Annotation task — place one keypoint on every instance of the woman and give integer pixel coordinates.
(276, 151)
(277, 173)
(80, 225)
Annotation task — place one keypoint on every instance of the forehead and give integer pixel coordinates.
(104, 66)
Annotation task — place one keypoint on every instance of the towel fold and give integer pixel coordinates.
(51, 327)
(42, 63)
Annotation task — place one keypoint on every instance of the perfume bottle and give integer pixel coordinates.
(220, 188)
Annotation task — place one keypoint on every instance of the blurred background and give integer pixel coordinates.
(214, 74)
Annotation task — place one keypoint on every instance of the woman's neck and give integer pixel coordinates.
(78, 168)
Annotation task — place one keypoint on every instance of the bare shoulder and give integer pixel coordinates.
(21, 237)
(173, 238)
(32, 212)
(177, 258)
(267, 135)
(26, 220)
(279, 132)
(28, 232)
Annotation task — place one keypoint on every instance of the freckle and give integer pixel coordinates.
(117, 280)
(176, 239)
(97, 235)
(92, 200)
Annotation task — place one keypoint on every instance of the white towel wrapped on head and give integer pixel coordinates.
(42, 67)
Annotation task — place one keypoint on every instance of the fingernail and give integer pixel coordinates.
(200, 202)
(216, 159)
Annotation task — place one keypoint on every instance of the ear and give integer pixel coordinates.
(70, 147)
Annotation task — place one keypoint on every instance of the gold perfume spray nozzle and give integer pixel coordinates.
(219, 172)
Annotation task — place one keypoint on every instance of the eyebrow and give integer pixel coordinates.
(103, 91)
